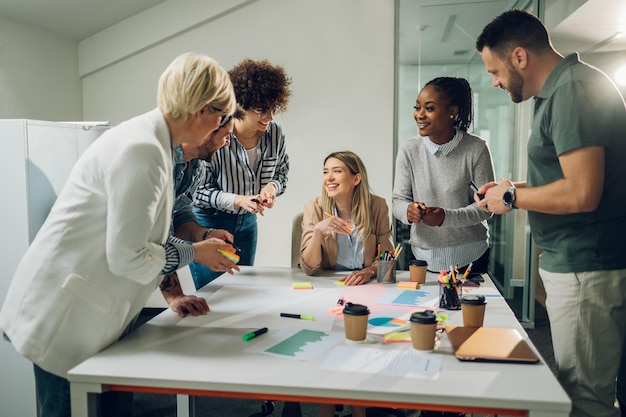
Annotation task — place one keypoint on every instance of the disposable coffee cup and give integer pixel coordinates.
(417, 271)
(355, 321)
(473, 307)
(423, 330)
(386, 272)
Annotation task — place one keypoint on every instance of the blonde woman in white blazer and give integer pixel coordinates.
(104, 247)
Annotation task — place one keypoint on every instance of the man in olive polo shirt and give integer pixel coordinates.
(574, 194)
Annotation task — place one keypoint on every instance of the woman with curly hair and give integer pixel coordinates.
(245, 176)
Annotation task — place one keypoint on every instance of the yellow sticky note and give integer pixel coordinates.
(232, 256)
(302, 286)
(397, 337)
(408, 285)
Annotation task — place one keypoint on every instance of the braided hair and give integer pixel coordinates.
(457, 92)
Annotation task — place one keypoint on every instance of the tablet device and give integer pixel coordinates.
(490, 344)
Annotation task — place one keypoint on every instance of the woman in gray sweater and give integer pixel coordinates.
(433, 173)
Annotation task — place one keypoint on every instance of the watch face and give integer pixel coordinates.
(507, 197)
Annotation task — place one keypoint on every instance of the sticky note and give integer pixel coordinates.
(302, 286)
(397, 337)
(408, 285)
(232, 256)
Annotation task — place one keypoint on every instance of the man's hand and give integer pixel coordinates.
(206, 253)
(493, 193)
(177, 301)
(189, 304)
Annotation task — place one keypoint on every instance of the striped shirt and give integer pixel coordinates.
(230, 173)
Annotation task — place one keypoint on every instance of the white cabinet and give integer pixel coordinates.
(35, 161)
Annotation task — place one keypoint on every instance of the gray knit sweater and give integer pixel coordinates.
(443, 181)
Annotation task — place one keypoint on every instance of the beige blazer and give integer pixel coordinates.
(382, 233)
(98, 256)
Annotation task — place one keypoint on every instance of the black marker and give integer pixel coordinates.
(252, 335)
(475, 189)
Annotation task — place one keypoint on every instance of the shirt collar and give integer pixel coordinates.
(179, 158)
(447, 147)
(550, 84)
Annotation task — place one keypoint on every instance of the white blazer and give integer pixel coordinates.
(98, 256)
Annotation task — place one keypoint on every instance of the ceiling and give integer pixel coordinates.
(73, 19)
(444, 30)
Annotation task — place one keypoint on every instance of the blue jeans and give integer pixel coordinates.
(244, 229)
(53, 394)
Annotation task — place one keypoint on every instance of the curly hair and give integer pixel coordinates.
(260, 85)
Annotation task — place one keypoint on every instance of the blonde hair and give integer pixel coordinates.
(361, 198)
(190, 82)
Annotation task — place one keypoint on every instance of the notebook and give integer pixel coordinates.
(490, 344)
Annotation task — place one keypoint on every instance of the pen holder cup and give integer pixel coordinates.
(386, 272)
(450, 296)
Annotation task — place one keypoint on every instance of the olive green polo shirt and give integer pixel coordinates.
(579, 106)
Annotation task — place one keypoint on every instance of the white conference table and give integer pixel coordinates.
(205, 356)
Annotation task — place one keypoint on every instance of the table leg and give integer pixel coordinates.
(84, 399)
(185, 405)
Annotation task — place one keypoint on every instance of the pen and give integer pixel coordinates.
(475, 189)
(254, 334)
(467, 270)
(297, 316)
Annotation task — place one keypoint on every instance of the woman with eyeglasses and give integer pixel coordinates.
(245, 177)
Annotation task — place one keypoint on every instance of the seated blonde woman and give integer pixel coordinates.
(343, 228)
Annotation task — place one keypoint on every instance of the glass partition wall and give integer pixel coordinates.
(437, 38)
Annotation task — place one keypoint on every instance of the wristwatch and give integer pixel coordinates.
(508, 198)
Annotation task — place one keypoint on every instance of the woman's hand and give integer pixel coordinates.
(415, 212)
(334, 224)
(434, 216)
(251, 203)
(267, 197)
(360, 277)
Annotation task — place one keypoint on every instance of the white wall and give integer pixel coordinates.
(338, 53)
(38, 74)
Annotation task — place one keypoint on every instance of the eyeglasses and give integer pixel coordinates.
(264, 113)
(226, 118)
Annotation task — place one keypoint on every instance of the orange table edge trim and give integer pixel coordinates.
(319, 400)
